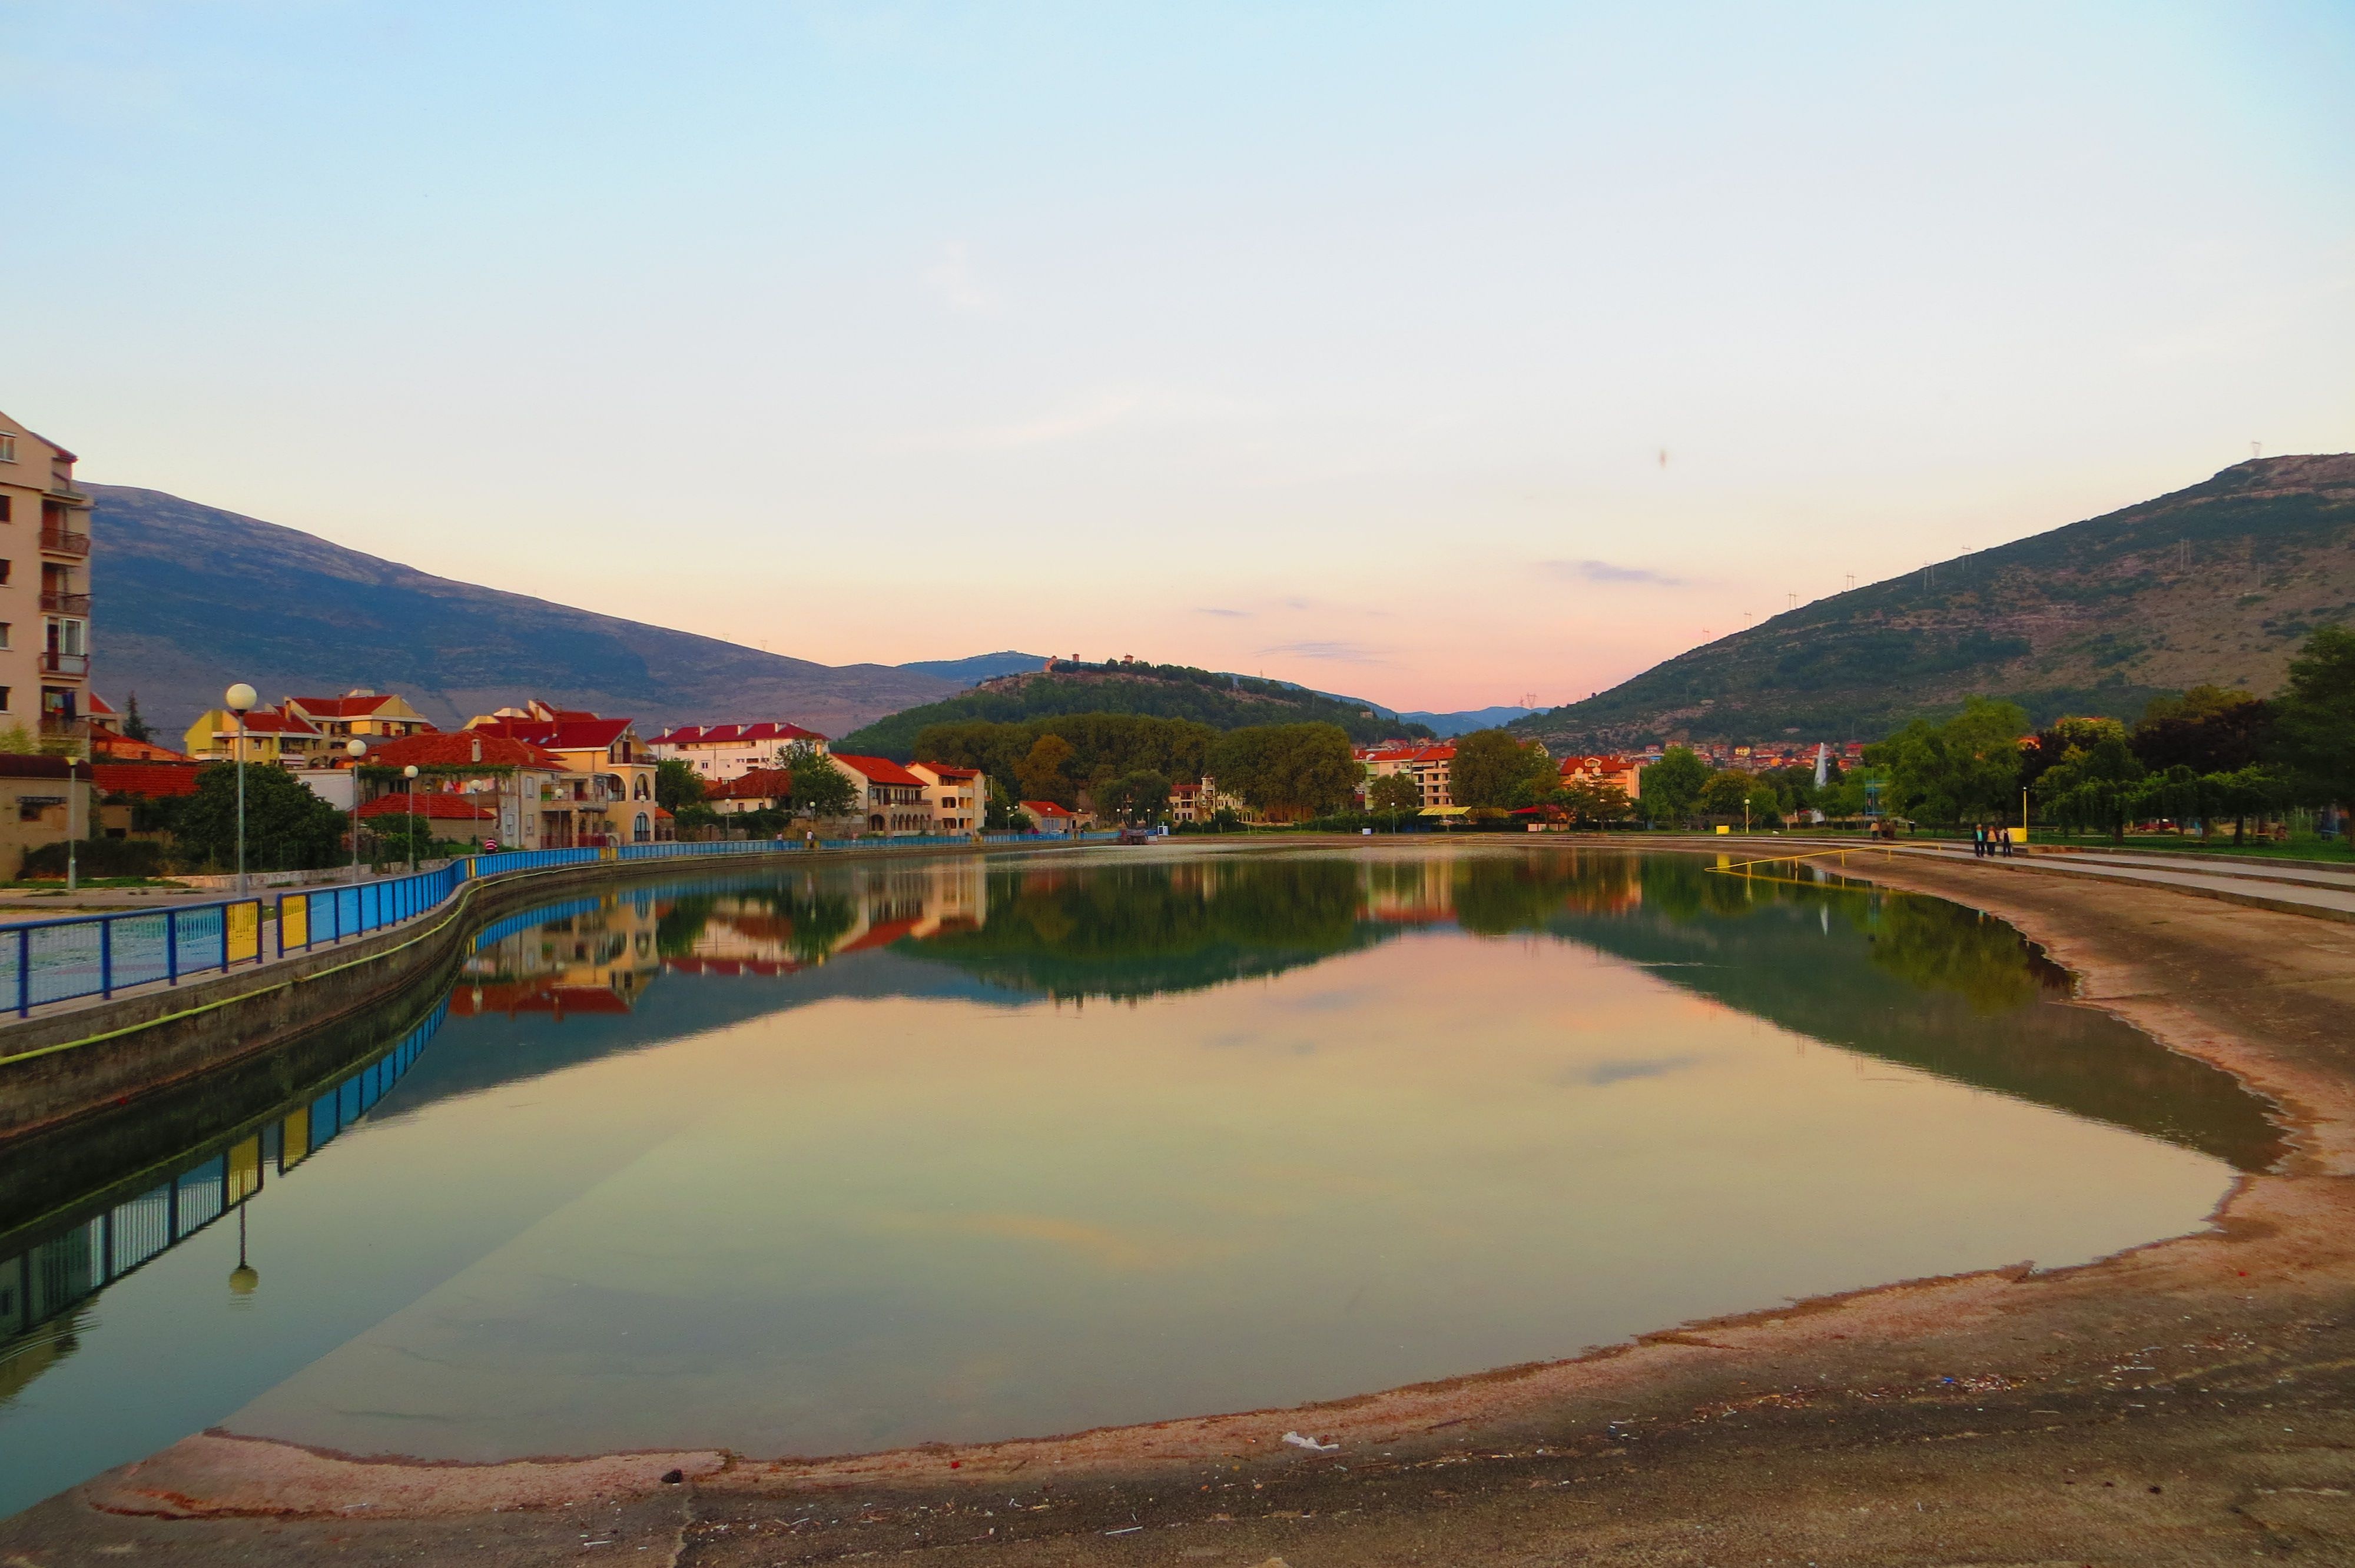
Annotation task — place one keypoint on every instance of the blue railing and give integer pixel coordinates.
(98, 955)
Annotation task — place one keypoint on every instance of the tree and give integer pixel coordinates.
(1593, 803)
(820, 788)
(676, 785)
(1965, 770)
(1394, 795)
(2208, 729)
(1041, 772)
(1723, 794)
(134, 727)
(1288, 771)
(2094, 786)
(1672, 786)
(1489, 766)
(1135, 797)
(287, 828)
(2314, 723)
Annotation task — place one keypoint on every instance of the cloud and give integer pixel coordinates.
(1229, 614)
(951, 281)
(1340, 653)
(1084, 420)
(1605, 572)
(1603, 1074)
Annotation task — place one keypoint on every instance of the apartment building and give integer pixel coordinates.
(1430, 767)
(532, 798)
(45, 639)
(721, 751)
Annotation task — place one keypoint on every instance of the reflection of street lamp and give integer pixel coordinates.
(356, 748)
(244, 1276)
(240, 699)
(410, 773)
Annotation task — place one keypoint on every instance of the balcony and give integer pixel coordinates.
(54, 726)
(58, 541)
(61, 485)
(64, 603)
(55, 663)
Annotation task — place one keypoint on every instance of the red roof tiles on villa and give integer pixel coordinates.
(880, 769)
(462, 749)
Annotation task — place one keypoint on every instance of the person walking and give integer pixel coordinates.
(1978, 840)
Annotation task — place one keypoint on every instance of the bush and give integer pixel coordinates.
(98, 857)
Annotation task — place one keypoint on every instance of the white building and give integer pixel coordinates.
(723, 751)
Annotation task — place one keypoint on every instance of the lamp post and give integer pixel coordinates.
(240, 699)
(72, 800)
(410, 773)
(356, 748)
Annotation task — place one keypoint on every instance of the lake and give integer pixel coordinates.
(880, 1152)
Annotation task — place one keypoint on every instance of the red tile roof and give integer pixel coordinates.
(1044, 809)
(150, 780)
(947, 771)
(759, 784)
(879, 769)
(434, 805)
(571, 732)
(734, 734)
(460, 748)
(268, 721)
(355, 706)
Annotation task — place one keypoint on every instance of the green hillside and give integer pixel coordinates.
(1156, 691)
(2217, 583)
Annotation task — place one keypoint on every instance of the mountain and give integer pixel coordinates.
(1448, 726)
(2219, 582)
(1159, 690)
(977, 668)
(190, 598)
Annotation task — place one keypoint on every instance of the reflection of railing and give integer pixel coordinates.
(50, 1277)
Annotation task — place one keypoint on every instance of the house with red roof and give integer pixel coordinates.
(1625, 774)
(535, 799)
(730, 750)
(266, 734)
(891, 799)
(606, 752)
(760, 789)
(358, 712)
(1046, 817)
(956, 799)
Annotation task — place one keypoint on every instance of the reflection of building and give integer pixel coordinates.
(594, 955)
(810, 922)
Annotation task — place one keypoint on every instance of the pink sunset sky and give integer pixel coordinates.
(1436, 355)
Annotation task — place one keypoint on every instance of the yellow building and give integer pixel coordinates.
(270, 735)
(44, 593)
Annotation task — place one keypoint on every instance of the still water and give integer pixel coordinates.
(878, 1153)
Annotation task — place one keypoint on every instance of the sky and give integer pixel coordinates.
(1441, 355)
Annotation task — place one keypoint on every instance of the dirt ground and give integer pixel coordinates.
(2190, 1402)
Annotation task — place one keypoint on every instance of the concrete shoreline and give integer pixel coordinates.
(2189, 1401)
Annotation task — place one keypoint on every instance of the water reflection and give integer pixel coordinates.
(597, 980)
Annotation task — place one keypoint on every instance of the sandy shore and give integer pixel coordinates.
(2192, 1401)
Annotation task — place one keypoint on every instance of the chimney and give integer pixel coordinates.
(478, 748)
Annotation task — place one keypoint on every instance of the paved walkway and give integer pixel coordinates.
(2301, 890)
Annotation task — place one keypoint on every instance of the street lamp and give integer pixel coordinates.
(240, 699)
(410, 773)
(72, 800)
(356, 748)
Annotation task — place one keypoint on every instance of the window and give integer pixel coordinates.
(8, 447)
(5, 564)
(4, 700)
(6, 516)
(4, 633)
